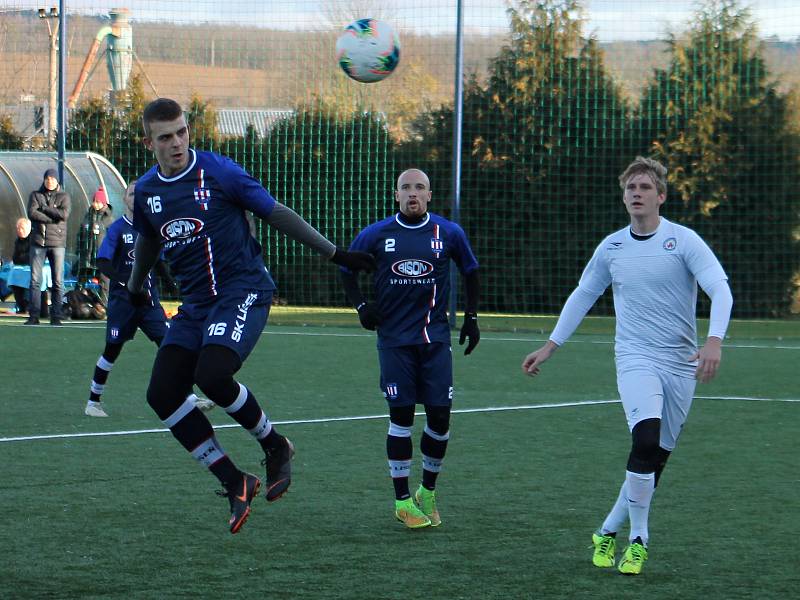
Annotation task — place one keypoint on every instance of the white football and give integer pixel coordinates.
(368, 50)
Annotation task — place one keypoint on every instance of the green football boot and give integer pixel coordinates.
(426, 500)
(633, 560)
(604, 548)
(410, 515)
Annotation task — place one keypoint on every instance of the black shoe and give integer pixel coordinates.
(240, 497)
(31, 321)
(279, 469)
(55, 321)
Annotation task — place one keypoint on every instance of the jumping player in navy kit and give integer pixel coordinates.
(192, 205)
(413, 250)
(114, 260)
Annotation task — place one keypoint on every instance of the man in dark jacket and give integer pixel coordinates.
(48, 210)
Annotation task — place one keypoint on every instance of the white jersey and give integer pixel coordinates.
(655, 292)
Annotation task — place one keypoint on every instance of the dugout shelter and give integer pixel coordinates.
(84, 172)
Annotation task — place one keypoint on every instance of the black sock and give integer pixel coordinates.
(399, 449)
(433, 452)
(401, 488)
(227, 473)
(271, 441)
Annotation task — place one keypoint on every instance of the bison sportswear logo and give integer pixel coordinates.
(181, 228)
(412, 268)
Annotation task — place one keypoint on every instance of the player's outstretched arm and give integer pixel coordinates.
(575, 308)
(288, 222)
(534, 360)
(354, 260)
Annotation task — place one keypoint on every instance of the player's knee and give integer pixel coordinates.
(169, 385)
(645, 450)
(162, 398)
(214, 372)
(438, 419)
(402, 416)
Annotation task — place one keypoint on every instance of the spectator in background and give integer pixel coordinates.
(92, 232)
(48, 210)
(21, 258)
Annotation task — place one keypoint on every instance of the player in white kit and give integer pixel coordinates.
(654, 267)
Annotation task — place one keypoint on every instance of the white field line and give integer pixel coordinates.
(484, 337)
(487, 409)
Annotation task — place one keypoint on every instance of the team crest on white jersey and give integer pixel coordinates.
(181, 228)
(670, 244)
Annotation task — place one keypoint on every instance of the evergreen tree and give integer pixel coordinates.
(726, 135)
(336, 172)
(543, 141)
(202, 120)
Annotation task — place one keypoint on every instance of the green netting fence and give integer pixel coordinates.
(558, 97)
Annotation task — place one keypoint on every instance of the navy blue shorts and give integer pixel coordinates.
(123, 319)
(421, 374)
(233, 319)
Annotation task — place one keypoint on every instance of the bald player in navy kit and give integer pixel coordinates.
(413, 249)
(193, 205)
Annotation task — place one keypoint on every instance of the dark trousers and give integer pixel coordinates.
(21, 300)
(56, 257)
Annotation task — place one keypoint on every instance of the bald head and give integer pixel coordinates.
(23, 228)
(413, 193)
(415, 174)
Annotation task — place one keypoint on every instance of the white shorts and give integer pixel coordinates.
(648, 392)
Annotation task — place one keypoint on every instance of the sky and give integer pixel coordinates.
(609, 20)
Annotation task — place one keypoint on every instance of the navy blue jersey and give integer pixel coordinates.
(412, 282)
(118, 248)
(199, 218)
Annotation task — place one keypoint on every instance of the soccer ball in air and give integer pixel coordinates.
(368, 50)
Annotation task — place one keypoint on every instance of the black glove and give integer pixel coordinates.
(354, 261)
(369, 316)
(470, 330)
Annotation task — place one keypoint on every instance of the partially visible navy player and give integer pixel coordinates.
(192, 205)
(413, 250)
(114, 260)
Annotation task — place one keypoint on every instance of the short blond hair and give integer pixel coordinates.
(646, 166)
